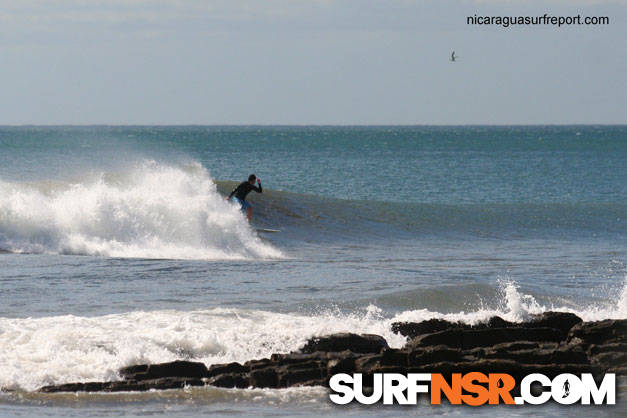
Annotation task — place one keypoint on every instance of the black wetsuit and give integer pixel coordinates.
(243, 189)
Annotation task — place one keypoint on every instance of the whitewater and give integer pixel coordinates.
(149, 211)
(41, 351)
(117, 247)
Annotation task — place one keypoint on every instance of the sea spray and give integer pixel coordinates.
(516, 306)
(40, 351)
(150, 211)
(59, 349)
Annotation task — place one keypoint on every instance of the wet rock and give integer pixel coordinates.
(264, 378)
(601, 332)
(495, 322)
(566, 354)
(563, 321)
(552, 370)
(611, 360)
(483, 365)
(551, 344)
(158, 384)
(258, 364)
(298, 376)
(125, 385)
(467, 339)
(365, 364)
(620, 371)
(172, 369)
(435, 354)
(519, 345)
(298, 358)
(394, 357)
(218, 369)
(230, 380)
(415, 329)
(365, 343)
(341, 365)
(607, 348)
(129, 372)
(74, 387)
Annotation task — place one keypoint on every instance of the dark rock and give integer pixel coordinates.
(414, 329)
(341, 365)
(298, 376)
(230, 380)
(172, 369)
(128, 372)
(394, 357)
(176, 382)
(264, 378)
(312, 364)
(466, 339)
(559, 320)
(218, 369)
(495, 322)
(607, 348)
(552, 370)
(434, 354)
(601, 332)
(611, 360)
(365, 343)
(365, 364)
(125, 385)
(566, 354)
(518, 345)
(297, 358)
(74, 387)
(258, 364)
(387, 369)
(178, 369)
(482, 365)
(158, 384)
(315, 382)
(620, 371)
(551, 344)
(563, 321)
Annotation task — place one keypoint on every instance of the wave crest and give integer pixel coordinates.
(150, 211)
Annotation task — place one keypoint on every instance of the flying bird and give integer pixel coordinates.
(453, 57)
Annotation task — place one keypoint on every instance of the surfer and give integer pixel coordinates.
(242, 190)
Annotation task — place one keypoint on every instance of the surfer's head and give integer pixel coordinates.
(252, 178)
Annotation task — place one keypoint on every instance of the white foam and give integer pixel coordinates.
(39, 351)
(151, 211)
(516, 306)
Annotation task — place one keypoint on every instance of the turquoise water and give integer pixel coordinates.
(117, 246)
(402, 164)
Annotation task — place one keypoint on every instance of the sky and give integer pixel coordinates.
(300, 62)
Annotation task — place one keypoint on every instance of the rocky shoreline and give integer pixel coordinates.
(551, 344)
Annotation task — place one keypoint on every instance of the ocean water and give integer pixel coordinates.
(117, 247)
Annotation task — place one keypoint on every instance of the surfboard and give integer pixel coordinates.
(267, 230)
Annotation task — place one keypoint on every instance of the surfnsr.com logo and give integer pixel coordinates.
(472, 389)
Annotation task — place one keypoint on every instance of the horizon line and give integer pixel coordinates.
(302, 125)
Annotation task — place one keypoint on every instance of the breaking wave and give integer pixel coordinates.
(59, 349)
(150, 211)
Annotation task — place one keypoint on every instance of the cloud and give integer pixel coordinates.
(151, 10)
(155, 11)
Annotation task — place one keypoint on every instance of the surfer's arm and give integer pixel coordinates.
(258, 189)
